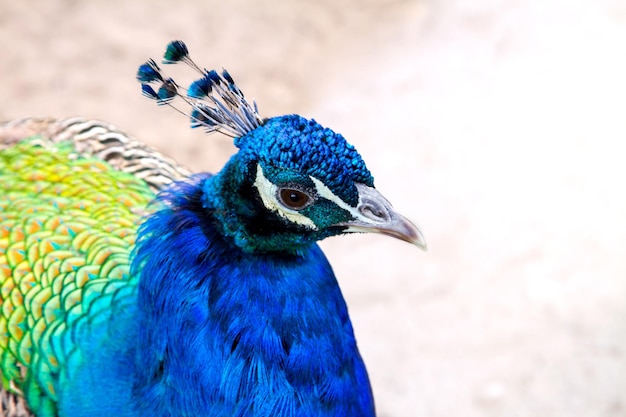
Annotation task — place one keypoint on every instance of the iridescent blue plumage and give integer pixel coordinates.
(295, 143)
(175, 52)
(215, 100)
(230, 307)
(149, 92)
(263, 329)
(263, 334)
(200, 88)
(149, 72)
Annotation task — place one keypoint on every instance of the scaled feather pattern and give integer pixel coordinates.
(132, 287)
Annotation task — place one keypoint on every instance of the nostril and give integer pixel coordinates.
(373, 206)
(374, 212)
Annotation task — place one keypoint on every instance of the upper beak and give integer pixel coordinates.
(375, 214)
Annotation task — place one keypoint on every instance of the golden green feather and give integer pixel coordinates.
(67, 228)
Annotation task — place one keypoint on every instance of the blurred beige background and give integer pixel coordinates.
(499, 126)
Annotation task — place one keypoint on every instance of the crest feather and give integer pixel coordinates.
(216, 102)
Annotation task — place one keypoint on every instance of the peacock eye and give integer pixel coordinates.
(294, 199)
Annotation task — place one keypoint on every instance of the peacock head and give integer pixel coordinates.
(292, 182)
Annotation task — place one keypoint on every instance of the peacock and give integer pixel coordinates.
(134, 287)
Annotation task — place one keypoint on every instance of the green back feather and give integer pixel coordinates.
(67, 228)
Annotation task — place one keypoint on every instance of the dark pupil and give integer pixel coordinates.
(293, 198)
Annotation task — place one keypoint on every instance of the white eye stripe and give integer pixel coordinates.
(324, 192)
(268, 191)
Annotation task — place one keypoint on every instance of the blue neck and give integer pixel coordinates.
(239, 334)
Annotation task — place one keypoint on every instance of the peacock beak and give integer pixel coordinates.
(376, 215)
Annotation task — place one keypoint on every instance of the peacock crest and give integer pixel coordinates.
(216, 103)
(288, 142)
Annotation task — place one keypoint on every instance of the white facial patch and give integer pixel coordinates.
(324, 192)
(268, 191)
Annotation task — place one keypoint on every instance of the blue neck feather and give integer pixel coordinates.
(239, 334)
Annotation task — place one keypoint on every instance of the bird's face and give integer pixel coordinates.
(292, 182)
(298, 183)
